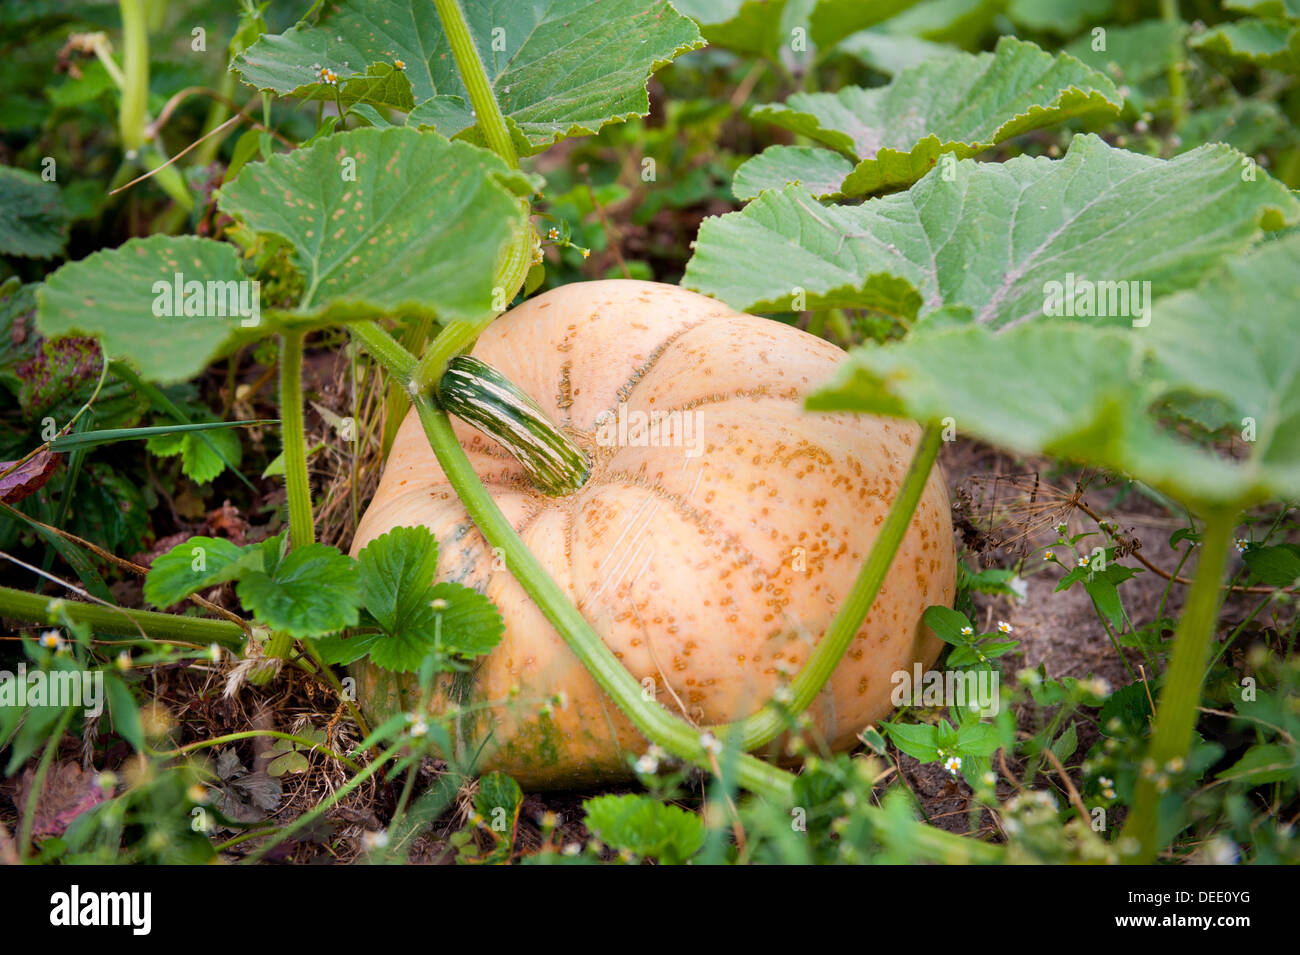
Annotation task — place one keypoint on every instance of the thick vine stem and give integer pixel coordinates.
(767, 723)
(302, 529)
(487, 111)
(1177, 87)
(133, 113)
(121, 622)
(457, 336)
(1175, 721)
(135, 74)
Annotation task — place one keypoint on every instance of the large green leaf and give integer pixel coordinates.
(990, 238)
(961, 22)
(891, 53)
(1271, 43)
(1062, 17)
(33, 220)
(1134, 56)
(1235, 338)
(1266, 8)
(384, 220)
(768, 27)
(963, 104)
(1088, 393)
(111, 296)
(820, 171)
(558, 67)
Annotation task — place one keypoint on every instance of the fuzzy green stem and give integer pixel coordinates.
(385, 349)
(460, 335)
(1177, 87)
(763, 726)
(1181, 694)
(487, 111)
(120, 622)
(135, 74)
(133, 115)
(302, 529)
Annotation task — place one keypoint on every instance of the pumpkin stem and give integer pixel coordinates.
(480, 395)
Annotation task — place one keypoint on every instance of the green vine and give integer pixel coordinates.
(122, 622)
(302, 529)
(487, 111)
(761, 728)
(1175, 719)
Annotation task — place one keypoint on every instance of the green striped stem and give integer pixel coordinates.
(477, 393)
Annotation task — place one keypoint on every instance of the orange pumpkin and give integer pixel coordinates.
(710, 550)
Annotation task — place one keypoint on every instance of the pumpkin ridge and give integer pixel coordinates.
(697, 517)
(718, 398)
(643, 369)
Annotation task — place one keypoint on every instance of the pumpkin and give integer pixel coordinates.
(709, 552)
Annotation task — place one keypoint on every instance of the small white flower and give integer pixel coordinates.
(438, 604)
(1082, 562)
(710, 743)
(1004, 626)
(783, 695)
(572, 849)
(52, 640)
(952, 764)
(647, 765)
(374, 840)
(1049, 556)
(1061, 528)
(1221, 851)
(1097, 686)
(967, 631)
(1242, 544)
